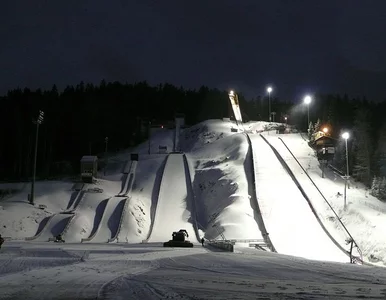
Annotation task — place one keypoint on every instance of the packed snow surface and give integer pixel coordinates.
(147, 271)
(174, 199)
(289, 220)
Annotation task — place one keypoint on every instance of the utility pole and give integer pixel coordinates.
(106, 158)
(37, 122)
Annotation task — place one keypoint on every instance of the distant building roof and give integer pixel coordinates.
(324, 139)
(89, 158)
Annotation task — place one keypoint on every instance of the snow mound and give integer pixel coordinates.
(204, 133)
(221, 189)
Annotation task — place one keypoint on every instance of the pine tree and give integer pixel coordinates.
(362, 147)
(317, 126)
(382, 189)
(380, 153)
(374, 191)
(310, 131)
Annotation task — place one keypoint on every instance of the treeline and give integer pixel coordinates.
(363, 119)
(77, 120)
(366, 124)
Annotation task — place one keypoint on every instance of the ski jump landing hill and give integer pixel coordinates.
(290, 222)
(176, 206)
(114, 213)
(58, 223)
(91, 214)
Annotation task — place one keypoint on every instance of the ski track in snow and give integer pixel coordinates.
(148, 272)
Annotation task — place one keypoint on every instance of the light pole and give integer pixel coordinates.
(346, 136)
(107, 160)
(307, 101)
(285, 118)
(269, 90)
(37, 122)
(149, 133)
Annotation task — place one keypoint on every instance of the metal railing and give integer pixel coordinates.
(350, 240)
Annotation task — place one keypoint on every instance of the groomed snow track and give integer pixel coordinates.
(128, 187)
(176, 203)
(309, 187)
(260, 219)
(305, 196)
(54, 226)
(108, 225)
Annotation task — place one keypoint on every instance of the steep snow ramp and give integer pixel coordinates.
(109, 223)
(87, 217)
(322, 209)
(129, 180)
(293, 228)
(174, 200)
(77, 199)
(140, 208)
(128, 187)
(55, 225)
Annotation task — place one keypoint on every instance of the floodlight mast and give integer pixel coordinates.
(307, 100)
(269, 90)
(38, 122)
(346, 136)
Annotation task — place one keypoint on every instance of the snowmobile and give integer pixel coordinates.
(179, 239)
(59, 239)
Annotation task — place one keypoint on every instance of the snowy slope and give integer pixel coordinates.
(127, 190)
(221, 180)
(292, 227)
(55, 225)
(365, 215)
(140, 210)
(174, 199)
(127, 184)
(221, 183)
(87, 217)
(108, 225)
(20, 219)
(312, 193)
(79, 271)
(76, 199)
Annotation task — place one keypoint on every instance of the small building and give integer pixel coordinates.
(88, 168)
(281, 129)
(325, 147)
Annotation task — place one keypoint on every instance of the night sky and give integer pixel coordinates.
(298, 46)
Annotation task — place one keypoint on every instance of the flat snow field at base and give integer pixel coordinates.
(149, 271)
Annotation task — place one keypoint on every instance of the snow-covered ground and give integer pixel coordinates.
(292, 227)
(147, 271)
(211, 194)
(365, 215)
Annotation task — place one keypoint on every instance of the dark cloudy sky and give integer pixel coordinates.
(299, 46)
